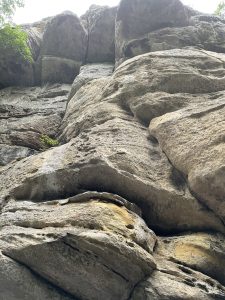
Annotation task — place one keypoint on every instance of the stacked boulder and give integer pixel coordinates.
(63, 49)
(114, 187)
(62, 44)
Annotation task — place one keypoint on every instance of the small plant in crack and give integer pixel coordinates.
(48, 142)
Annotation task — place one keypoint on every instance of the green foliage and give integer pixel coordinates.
(49, 142)
(7, 9)
(14, 42)
(220, 11)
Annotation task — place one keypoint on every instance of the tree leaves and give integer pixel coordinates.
(7, 9)
(13, 41)
(220, 11)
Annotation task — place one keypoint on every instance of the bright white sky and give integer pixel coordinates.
(39, 9)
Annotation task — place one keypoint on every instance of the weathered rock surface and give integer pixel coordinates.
(138, 17)
(199, 133)
(57, 69)
(89, 72)
(63, 48)
(102, 249)
(140, 149)
(163, 32)
(25, 115)
(188, 267)
(99, 22)
(198, 34)
(64, 37)
(103, 138)
(17, 282)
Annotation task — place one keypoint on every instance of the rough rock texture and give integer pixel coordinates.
(57, 69)
(164, 30)
(199, 34)
(64, 38)
(25, 115)
(99, 22)
(201, 159)
(138, 17)
(89, 72)
(130, 203)
(188, 267)
(101, 248)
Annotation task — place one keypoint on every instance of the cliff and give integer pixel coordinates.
(112, 157)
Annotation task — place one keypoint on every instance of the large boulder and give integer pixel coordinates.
(198, 33)
(147, 25)
(63, 49)
(95, 245)
(64, 37)
(189, 267)
(138, 17)
(99, 22)
(199, 151)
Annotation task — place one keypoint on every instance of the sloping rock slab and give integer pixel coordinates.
(92, 249)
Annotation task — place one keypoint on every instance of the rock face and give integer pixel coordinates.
(138, 17)
(26, 114)
(113, 187)
(63, 49)
(99, 22)
(64, 37)
(90, 72)
(97, 240)
(56, 69)
(147, 25)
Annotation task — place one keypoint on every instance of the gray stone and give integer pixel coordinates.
(176, 285)
(10, 152)
(26, 114)
(89, 72)
(107, 148)
(17, 282)
(58, 70)
(64, 37)
(189, 266)
(99, 22)
(138, 17)
(198, 34)
(199, 153)
(92, 249)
